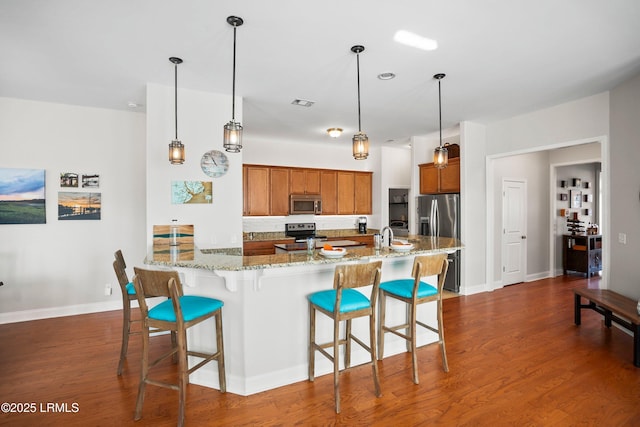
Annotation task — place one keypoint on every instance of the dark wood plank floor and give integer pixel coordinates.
(515, 358)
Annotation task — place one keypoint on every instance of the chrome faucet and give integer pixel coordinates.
(390, 234)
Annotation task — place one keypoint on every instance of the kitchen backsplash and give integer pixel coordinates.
(269, 223)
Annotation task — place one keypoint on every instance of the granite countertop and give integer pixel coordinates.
(258, 236)
(230, 260)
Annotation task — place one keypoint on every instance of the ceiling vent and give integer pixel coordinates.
(303, 102)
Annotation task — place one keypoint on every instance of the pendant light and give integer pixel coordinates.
(176, 149)
(440, 154)
(233, 130)
(360, 139)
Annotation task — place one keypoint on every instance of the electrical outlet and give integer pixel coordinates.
(107, 289)
(622, 238)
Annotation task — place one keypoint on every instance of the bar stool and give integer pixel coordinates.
(128, 295)
(344, 303)
(178, 313)
(414, 292)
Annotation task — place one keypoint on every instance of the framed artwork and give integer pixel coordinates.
(191, 192)
(577, 182)
(69, 180)
(79, 206)
(563, 197)
(22, 196)
(575, 199)
(90, 181)
(588, 198)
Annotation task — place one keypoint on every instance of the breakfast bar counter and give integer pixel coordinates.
(265, 313)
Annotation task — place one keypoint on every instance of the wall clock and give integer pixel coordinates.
(214, 163)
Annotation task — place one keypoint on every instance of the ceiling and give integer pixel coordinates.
(501, 57)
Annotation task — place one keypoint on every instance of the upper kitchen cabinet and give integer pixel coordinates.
(346, 191)
(279, 191)
(363, 190)
(436, 181)
(354, 192)
(267, 189)
(329, 191)
(304, 181)
(256, 185)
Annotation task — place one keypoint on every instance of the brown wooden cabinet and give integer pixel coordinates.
(267, 188)
(582, 253)
(362, 194)
(256, 186)
(436, 181)
(279, 191)
(329, 191)
(261, 247)
(346, 189)
(305, 181)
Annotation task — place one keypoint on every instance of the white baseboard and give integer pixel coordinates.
(537, 276)
(70, 310)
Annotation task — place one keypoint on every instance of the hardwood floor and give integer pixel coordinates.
(515, 358)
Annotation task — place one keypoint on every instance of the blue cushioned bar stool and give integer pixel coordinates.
(178, 313)
(414, 292)
(344, 303)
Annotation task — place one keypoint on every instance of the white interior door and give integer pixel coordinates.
(514, 231)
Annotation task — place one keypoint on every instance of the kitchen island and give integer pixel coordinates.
(265, 312)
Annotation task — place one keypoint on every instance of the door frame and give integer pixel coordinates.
(490, 243)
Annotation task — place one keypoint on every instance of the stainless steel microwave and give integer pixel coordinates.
(300, 204)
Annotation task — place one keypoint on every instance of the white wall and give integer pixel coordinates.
(201, 118)
(67, 263)
(625, 185)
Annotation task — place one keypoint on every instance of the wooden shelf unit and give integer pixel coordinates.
(582, 253)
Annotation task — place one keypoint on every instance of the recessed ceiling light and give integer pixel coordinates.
(386, 76)
(414, 40)
(132, 104)
(303, 102)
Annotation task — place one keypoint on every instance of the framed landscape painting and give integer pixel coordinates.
(79, 206)
(22, 196)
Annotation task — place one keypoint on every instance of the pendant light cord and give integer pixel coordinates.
(233, 90)
(175, 104)
(440, 110)
(358, 66)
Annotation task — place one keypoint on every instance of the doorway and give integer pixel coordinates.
(514, 231)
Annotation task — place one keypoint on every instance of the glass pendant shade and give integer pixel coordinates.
(440, 157)
(176, 152)
(232, 137)
(360, 146)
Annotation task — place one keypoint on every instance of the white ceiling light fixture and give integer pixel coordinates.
(232, 140)
(360, 139)
(176, 149)
(334, 132)
(414, 40)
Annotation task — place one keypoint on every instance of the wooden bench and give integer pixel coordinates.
(612, 305)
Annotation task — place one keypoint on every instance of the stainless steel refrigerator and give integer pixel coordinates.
(439, 215)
